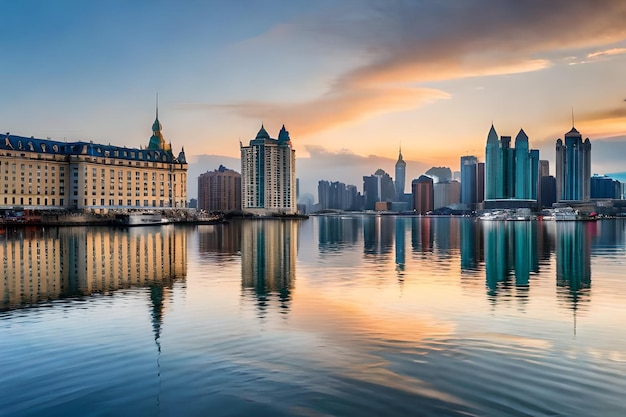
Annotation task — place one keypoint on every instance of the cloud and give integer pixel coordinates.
(405, 44)
(337, 107)
(607, 52)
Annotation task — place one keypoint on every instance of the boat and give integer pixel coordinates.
(140, 219)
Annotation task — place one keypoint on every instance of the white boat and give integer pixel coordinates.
(141, 219)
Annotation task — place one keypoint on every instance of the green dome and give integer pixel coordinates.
(262, 134)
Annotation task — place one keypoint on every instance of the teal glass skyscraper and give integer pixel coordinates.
(510, 172)
(493, 176)
(573, 167)
(522, 166)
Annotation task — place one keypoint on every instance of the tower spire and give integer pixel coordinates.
(572, 117)
(157, 106)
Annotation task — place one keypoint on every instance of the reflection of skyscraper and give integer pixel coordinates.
(470, 244)
(335, 232)
(400, 242)
(573, 258)
(220, 238)
(268, 261)
(377, 235)
(421, 234)
(510, 246)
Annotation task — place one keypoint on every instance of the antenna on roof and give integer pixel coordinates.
(572, 116)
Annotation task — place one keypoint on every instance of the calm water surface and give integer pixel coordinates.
(331, 316)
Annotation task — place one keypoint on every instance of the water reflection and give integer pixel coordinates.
(400, 231)
(337, 232)
(48, 264)
(471, 245)
(573, 261)
(378, 236)
(268, 262)
(510, 249)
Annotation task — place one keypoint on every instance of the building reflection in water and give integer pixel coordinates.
(471, 242)
(510, 247)
(401, 224)
(337, 232)
(222, 239)
(47, 264)
(378, 236)
(421, 234)
(269, 250)
(573, 260)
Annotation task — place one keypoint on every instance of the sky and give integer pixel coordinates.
(352, 80)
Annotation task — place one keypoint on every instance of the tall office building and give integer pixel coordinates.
(219, 190)
(469, 176)
(423, 194)
(573, 167)
(493, 179)
(446, 194)
(510, 173)
(522, 167)
(378, 187)
(544, 171)
(400, 176)
(268, 174)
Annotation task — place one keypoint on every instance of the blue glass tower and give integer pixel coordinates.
(493, 174)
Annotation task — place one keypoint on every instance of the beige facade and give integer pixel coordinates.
(44, 174)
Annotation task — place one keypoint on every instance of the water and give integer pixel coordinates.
(331, 316)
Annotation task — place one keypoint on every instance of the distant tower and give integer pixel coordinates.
(219, 190)
(522, 167)
(268, 174)
(423, 194)
(469, 171)
(400, 176)
(573, 167)
(493, 174)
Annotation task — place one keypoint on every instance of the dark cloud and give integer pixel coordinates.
(404, 43)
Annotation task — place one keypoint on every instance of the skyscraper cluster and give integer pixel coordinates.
(338, 196)
(510, 172)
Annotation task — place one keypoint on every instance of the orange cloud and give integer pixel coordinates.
(407, 43)
(338, 107)
(607, 52)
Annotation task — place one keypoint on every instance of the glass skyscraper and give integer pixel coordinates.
(400, 177)
(510, 173)
(573, 167)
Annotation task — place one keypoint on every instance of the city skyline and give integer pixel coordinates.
(350, 79)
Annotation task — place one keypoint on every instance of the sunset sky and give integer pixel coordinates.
(349, 78)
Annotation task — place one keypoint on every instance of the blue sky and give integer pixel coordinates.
(350, 79)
